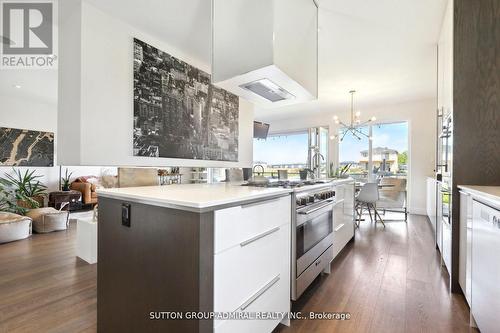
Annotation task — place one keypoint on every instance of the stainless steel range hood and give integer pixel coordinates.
(266, 51)
(269, 90)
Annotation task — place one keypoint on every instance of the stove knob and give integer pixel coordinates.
(311, 198)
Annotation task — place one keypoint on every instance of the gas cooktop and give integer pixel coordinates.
(288, 183)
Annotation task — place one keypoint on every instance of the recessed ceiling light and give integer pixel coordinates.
(17, 86)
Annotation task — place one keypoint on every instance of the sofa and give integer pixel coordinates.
(14, 227)
(87, 185)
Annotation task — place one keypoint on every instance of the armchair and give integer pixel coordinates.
(88, 190)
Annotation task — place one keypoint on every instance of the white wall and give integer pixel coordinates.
(421, 118)
(27, 113)
(105, 101)
(32, 114)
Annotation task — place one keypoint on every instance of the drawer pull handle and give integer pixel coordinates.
(260, 202)
(262, 235)
(315, 209)
(259, 293)
(339, 227)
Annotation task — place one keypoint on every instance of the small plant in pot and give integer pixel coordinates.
(8, 201)
(65, 181)
(341, 172)
(28, 190)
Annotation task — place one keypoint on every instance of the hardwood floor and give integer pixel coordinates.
(389, 280)
(44, 287)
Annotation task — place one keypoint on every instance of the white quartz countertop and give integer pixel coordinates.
(194, 196)
(487, 192)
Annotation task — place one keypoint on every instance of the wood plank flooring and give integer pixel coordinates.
(44, 287)
(388, 280)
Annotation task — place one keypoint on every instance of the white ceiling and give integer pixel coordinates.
(36, 85)
(385, 49)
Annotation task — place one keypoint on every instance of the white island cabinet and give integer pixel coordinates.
(197, 248)
(343, 218)
(252, 263)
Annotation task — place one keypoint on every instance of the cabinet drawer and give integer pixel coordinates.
(305, 279)
(242, 270)
(273, 296)
(238, 224)
(342, 234)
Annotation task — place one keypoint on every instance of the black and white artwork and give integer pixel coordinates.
(22, 147)
(178, 113)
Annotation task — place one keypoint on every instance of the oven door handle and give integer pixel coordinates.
(315, 209)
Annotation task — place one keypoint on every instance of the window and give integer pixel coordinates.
(282, 152)
(390, 149)
(353, 155)
(385, 156)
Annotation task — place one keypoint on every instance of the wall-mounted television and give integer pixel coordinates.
(260, 130)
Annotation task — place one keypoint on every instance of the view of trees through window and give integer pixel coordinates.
(389, 152)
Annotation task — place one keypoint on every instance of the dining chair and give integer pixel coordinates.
(368, 196)
(392, 196)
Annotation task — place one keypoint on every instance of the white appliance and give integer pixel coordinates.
(266, 51)
(485, 294)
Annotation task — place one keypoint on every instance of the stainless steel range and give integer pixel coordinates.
(312, 235)
(313, 203)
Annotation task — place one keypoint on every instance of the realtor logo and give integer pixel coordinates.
(27, 34)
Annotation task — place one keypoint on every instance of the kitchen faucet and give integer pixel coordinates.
(258, 165)
(315, 162)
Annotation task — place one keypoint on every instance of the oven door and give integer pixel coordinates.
(314, 233)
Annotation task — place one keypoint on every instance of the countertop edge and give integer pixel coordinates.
(194, 207)
(473, 190)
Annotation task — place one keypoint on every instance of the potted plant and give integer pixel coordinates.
(65, 181)
(341, 172)
(7, 203)
(28, 190)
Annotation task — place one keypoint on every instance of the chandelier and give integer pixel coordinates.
(355, 126)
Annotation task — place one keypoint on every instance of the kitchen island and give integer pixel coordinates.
(166, 251)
